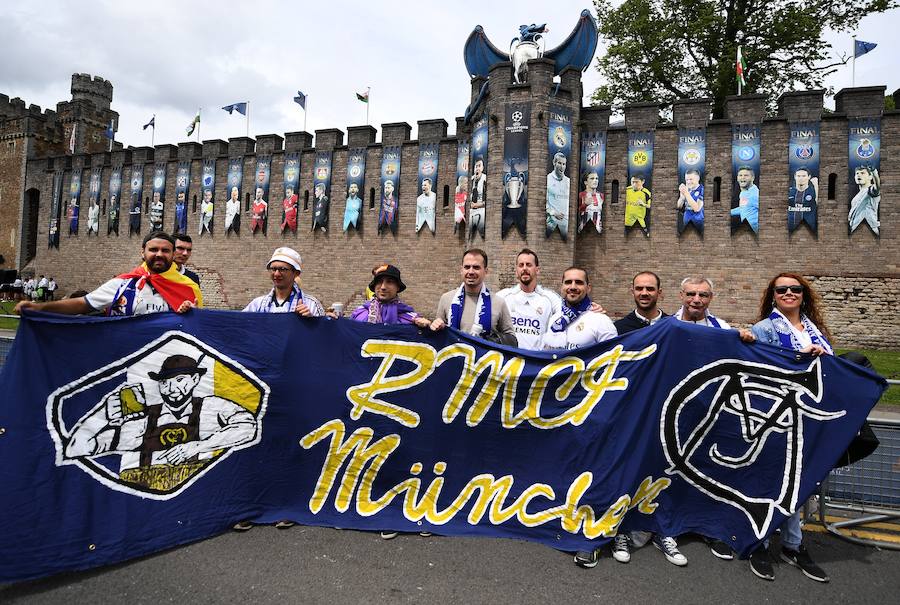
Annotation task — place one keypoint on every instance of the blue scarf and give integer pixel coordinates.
(570, 314)
(482, 310)
(787, 337)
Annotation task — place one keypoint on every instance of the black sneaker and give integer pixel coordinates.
(587, 558)
(720, 550)
(800, 558)
(761, 564)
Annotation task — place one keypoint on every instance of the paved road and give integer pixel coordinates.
(320, 565)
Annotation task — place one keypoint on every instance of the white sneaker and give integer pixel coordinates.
(620, 550)
(669, 548)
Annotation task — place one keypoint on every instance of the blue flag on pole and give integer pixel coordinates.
(860, 48)
(300, 99)
(109, 131)
(241, 108)
(151, 123)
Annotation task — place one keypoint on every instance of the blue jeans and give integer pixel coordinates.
(791, 533)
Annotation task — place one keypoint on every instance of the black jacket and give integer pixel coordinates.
(632, 322)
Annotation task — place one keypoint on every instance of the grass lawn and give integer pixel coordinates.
(8, 323)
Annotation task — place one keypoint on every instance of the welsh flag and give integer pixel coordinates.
(363, 96)
(740, 68)
(190, 127)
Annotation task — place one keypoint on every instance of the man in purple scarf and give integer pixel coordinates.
(385, 307)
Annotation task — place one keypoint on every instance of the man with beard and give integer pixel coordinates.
(747, 200)
(573, 326)
(530, 305)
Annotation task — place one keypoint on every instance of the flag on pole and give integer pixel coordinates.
(241, 108)
(72, 139)
(109, 134)
(151, 123)
(300, 99)
(740, 67)
(363, 96)
(190, 128)
(860, 48)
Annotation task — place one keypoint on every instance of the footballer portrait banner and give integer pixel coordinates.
(290, 199)
(321, 190)
(559, 187)
(388, 210)
(478, 176)
(182, 184)
(115, 200)
(461, 192)
(864, 162)
(74, 198)
(803, 175)
(137, 191)
(96, 183)
(158, 200)
(515, 168)
(691, 176)
(593, 176)
(356, 188)
(56, 201)
(259, 206)
(745, 148)
(140, 434)
(207, 196)
(234, 183)
(640, 181)
(426, 185)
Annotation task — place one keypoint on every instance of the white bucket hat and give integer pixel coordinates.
(286, 255)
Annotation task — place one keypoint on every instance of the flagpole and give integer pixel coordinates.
(853, 50)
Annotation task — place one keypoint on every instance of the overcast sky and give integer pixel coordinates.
(168, 58)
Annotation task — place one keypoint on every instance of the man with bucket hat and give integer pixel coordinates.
(286, 296)
(385, 307)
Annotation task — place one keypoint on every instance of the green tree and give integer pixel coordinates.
(670, 49)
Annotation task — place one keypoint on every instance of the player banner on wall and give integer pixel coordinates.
(137, 191)
(559, 141)
(158, 201)
(745, 139)
(508, 459)
(115, 196)
(592, 178)
(356, 188)
(461, 193)
(74, 200)
(389, 209)
(478, 177)
(259, 207)
(515, 168)
(426, 184)
(93, 224)
(691, 173)
(56, 201)
(803, 175)
(640, 179)
(233, 194)
(182, 184)
(321, 190)
(207, 196)
(291, 182)
(864, 163)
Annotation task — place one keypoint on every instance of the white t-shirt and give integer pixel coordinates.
(530, 312)
(590, 328)
(146, 299)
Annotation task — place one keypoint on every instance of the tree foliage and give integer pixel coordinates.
(663, 50)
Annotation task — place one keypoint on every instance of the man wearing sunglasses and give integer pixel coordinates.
(286, 296)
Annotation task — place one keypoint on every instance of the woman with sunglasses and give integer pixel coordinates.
(789, 317)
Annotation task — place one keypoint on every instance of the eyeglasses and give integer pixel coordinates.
(784, 289)
(280, 269)
(703, 295)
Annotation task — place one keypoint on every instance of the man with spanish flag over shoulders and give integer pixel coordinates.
(154, 286)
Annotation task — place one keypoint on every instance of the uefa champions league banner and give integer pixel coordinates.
(515, 168)
(94, 197)
(157, 212)
(426, 185)
(745, 161)
(207, 196)
(559, 148)
(233, 196)
(803, 176)
(55, 210)
(388, 210)
(640, 181)
(461, 193)
(129, 436)
(291, 180)
(356, 188)
(321, 190)
(691, 173)
(137, 190)
(478, 176)
(115, 200)
(864, 163)
(592, 179)
(182, 190)
(74, 201)
(259, 207)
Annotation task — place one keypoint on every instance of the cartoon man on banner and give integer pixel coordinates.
(590, 202)
(289, 214)
(864, 205)
(259, 210)
(353, 206)
(747, 209)
(206, 212)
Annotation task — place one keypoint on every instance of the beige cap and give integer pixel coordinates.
(286, 255)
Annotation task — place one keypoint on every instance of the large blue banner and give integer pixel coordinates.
(207, 200)
(115, 200)
(182, 184)
(74, 200)
(137, 190)
(478, 178)
(233, 195)
(559, 149)
(515, 168)
(638, 197)
(55, 210)
(259, 207)
(593, 177)
(461, 193)
(691, 170)
(157, 213)
(356, 188)
(864, 163)
(426, 185)
(745, 162)
(388, 210)
(180, 425)
(93, 225)
(803, 176)
(321, 190)
(291, 187)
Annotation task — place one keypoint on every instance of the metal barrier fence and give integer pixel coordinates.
(5, 346)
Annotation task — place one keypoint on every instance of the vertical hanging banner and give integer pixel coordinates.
(691, 172)
(864, 163)
(233, 194)
(745, 176)
(356, 187)
(478, 178)
(55, 205)
(461, 194)
(559, 186)
(74, 206)
(259, 207)
(137, 191)
(93, 225)
(115, 205)
(182, 184)
(390, 189)
(207, 193)
(291, 184)
(321, 190)
(426, 183)
(593, 175)
(515, 168)
(640, 181)
(158, 200)
(803, 174)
